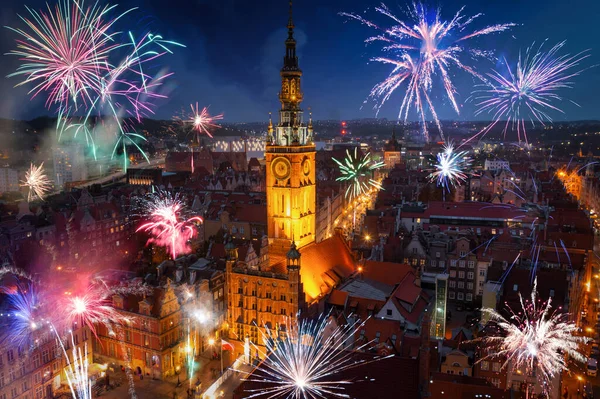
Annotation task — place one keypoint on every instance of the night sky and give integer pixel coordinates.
(235, 50)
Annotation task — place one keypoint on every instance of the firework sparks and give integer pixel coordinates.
(203, 121)
(422, 50)
(535, 337)
(21, 315)
(167, 226)
(304, 364)
(76, 371)
(38, 183)
(529, 91)
(69, 52)
(450, 168)
(358, 171)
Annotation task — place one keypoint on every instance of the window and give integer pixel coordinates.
(45, 356)
(128, 335)
(389, 312)
(461, 274)
(377, 336)
(551, 293)
(494, 231)
(515, 288)
(146, 340)
(282, 297)
(496, 382)
(461, 263)
(470, 275)
(437, 254)
(10, 355)
(394, 337)
(478, 231)
(469, 297)
(485, 365)
(241, 230)
(496, 366)
(469, 286)
(460, 296)
(414, 251)
(11, 375)
(452, 273)
(471, 264)
(463, 254)
(453, 262)
(1, 379)
(442, 263)
(461, 285)
(283, 312)
(451, 294)
(482, 272)
(433, 263)
(36, 361)
(422, 262)
(452, 284)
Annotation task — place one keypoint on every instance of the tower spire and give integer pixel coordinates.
(290, 24)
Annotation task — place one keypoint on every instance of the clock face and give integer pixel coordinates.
(306, 167)
(281, 168)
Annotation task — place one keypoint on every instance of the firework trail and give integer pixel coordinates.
(38, 183)
(76, 371)
(304, 364)
(73, 55)
(421, 51)
(450, 168)
(167, 226)
(358, 172)
(529, 90)
(535, 337)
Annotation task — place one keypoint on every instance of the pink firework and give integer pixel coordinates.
(167, 226)
(202, 120)
(422, 51)
(65, 50)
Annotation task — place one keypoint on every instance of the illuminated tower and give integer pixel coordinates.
(290, 160)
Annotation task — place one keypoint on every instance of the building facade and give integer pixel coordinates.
(69, 164)
(9, 180)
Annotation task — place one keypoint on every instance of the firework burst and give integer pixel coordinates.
(73, 55)
(167, 226)
(21, 315)
(422, 51)
(535, 337)
(305, 364)
(202, 121)
(530, 90)
(449, 170)
(358, 172)
(38, 183)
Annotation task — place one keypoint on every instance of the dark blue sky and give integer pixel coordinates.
(235, 50)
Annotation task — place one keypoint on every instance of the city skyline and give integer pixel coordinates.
(233, 56)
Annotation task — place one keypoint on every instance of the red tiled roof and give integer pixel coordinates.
(386, 272)
(320, 258)
(338, 298)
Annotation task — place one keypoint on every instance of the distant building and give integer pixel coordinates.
(69, 164)
(9, 180)
(392, 154)
(496, 164)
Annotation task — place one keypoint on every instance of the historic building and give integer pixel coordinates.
(392, 155)
(292, 270)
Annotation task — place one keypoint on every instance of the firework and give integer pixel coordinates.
(76, 370)
(167, 226)
(450, 168)
(423, 50)
(529, 91)
(71, 53)
(90, 306)
(202, 120)
(358, 171)
(38, 183)
(21, 315)
(305, 364)
(535, 337)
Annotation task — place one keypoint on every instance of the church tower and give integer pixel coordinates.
(290, 160)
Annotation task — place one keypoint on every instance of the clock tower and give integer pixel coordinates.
(290, 160)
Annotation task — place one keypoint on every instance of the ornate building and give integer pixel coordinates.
(392, 152)
(267, 293)
(290, 162)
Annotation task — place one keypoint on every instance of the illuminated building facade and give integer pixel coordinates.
(290, 162)
(438, 327)
(263, 294)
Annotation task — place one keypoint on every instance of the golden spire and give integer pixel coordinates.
(310, 126)
(270, 124)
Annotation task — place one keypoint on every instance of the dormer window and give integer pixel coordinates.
(118, 301)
